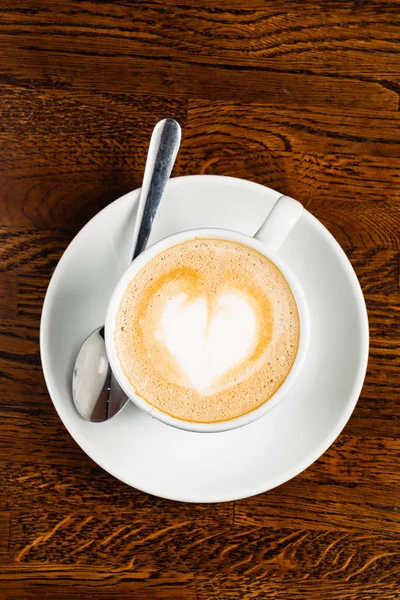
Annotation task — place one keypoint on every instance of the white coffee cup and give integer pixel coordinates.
(268, 240)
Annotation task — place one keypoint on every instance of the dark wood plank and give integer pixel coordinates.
(163, 578)
(36, 431)
(260, 561)
(266, 563)
(290, 150)
(378, 270)
(58, 197)
(360, 462)
(79, 537)
(230, 53)
(332, 162)
(39, 485)
(8, 294)
(310, 588)
(5, 518)
(260, 38)
(153, 77)
(378, 408)
(67, 156)
(302, 96)
(315, 501)
(360, 208)
(376, 413)
(360, 472)
(32, 251)
(280, 128)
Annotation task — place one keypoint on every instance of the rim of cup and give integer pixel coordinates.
(139, 263)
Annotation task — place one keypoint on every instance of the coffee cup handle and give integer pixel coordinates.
(280, 222)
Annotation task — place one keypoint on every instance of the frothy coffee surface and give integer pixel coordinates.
(208, 330)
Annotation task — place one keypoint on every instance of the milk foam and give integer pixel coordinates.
(208, 330)
(207, 343)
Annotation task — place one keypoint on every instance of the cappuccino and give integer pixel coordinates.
(207, 330)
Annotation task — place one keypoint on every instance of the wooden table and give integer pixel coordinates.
(302, 96)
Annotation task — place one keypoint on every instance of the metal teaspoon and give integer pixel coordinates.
(97, 394)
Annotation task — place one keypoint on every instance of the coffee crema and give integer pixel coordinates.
(207, 330)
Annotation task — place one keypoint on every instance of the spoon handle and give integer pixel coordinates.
(163, 148)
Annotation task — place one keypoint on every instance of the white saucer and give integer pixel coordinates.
(196, 467)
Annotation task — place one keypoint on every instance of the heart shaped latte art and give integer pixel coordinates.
(207, 330)
(208, 339)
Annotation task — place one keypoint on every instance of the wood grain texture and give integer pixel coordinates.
(319, 53)
(302, 96)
